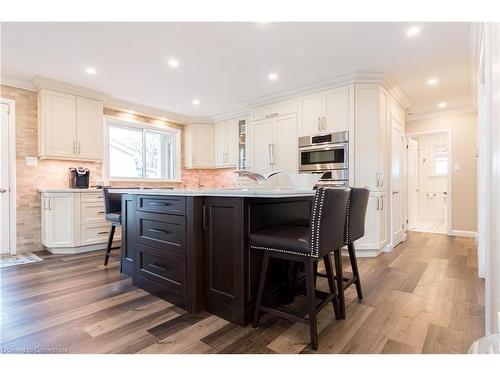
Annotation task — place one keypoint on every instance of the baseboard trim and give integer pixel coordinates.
(364, 253)
(80, 249)
(463, 233)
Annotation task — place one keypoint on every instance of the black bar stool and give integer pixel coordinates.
(306, 245)
(112, 208)
(354, 230)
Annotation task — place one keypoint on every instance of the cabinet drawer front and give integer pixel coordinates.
(164, 205)
(92, 213)
(165, 232)
(168, 270)
(92, 197)
(97, 234)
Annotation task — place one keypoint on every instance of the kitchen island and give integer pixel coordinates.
(190, 247)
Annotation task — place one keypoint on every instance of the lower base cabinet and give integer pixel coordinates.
(194, 252)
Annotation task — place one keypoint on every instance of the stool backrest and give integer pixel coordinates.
(328, 220)
(356, 214)
(112, 201)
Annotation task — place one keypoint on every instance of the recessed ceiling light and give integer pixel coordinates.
(196, 101)
(442, 105)
(91, 71)
(432, 81)
(173, 63)
(272, 76)
(412, 31)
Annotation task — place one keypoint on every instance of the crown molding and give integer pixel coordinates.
(357, 77)
(40, 82)
(436, 114)
(17, 83)
(240, 113)
(144, 110)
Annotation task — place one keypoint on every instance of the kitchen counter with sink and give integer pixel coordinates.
(190, 247)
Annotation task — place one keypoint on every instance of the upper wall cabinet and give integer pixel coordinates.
(226, 143)
(276, 109)
(325, 112)
(69, 126)
(199, 146)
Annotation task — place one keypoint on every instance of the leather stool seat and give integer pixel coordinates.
(114, 216)
(291, 239)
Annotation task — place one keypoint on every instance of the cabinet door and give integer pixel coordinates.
(383, 224)
(232, 143)
(59, 125)
(336, 115)
(203, 143)
(262, 141)
(367, 167)
(310, 113)
(89, 128)
(284, 148)
(221, 151)
(58, 219)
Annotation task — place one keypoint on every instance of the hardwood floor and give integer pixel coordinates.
(424, 297)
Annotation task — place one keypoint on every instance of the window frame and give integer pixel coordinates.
(134, 124)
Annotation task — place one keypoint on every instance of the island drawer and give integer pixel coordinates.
(165, 232)
(162, 268)
(163, 205)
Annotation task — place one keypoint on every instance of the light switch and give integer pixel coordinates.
(456, 167)
(31, 161)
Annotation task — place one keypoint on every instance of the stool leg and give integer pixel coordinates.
(340, 282)
(311, 302)
(331, 285)
(110, 243)
(260, 292)
(355, 272)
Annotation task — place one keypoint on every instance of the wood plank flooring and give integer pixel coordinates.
(424, 297)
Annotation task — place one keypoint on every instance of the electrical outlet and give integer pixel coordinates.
(32, 161)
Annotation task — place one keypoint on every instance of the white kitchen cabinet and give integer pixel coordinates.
(69, 126)
(74, 222)
(199, 146)
(325, 112)
(226, 143)
(371, 137)
(376, 225)
(285, 107)
(89, 128)
(58, 219)
(273, 146)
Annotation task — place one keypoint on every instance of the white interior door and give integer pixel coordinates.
(397, 185)
(5, 245)
(412, 179)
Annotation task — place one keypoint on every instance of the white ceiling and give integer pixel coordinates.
(226, 65)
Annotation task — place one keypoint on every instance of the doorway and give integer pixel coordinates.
(429, 181)
(7, 178)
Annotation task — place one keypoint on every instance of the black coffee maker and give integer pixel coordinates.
(79, 178)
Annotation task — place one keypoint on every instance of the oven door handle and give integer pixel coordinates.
(332, 146)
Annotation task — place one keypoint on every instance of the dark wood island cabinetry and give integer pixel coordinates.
(192, 249)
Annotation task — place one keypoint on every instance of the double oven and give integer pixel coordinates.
(328, 155)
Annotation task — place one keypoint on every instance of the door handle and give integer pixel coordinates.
(3, 190)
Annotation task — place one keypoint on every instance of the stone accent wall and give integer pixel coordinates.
(54, 173)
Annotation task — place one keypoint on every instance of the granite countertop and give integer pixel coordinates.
(256, 193)
(68, 190)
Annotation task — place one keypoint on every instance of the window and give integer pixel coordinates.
(441, 160)
(141, 152)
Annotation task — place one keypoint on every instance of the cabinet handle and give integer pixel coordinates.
(158, 204)
(157, 266)
(204, 213)
(324, 123)
(158, 231)
(319, 123)
(382, 203)
(269, 153)
(273, 147)
(378, 203)
(50, 203)
(101, 212)
(103, 233)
